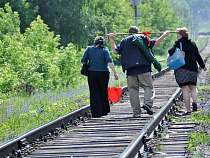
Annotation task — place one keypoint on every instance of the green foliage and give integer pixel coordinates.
(9, 22)
(33, 60)
(201, 117)
(201, 42)
(39, 38)
(117, 16)
(69, 66)
(64, 18)
(10, 47)
(42, 63)
(197, 138)
(183, 11)
(22, 113)
(192, 16)
(156, 19)
(37, 58)
(27, 12)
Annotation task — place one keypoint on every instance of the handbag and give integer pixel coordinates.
(114, 93)
(176, 60)
(84, 69)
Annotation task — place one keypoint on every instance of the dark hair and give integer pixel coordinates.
(133, 29)
(99, 41)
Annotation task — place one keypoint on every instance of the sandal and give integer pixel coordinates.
(194, 105)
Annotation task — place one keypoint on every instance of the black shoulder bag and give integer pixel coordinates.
(84, 69)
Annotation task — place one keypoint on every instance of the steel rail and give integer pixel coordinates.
(7, 147)
(134, 147)
(138, 142)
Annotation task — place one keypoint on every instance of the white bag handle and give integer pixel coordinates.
(113, 80)
(180, 45)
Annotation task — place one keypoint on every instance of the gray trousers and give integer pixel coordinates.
(144, 81)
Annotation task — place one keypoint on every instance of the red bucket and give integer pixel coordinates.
(114, 93)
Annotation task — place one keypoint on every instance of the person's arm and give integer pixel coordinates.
(200, 62)
(111, 37)
(199, 58)
(172, 49)
(85, 56)
(160, 39)
(111, 65)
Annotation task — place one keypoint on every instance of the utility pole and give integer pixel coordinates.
(135, 3)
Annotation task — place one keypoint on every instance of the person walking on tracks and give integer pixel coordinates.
(100, 60)
(138, 68)
(186, 76)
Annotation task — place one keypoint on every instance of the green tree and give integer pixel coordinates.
(78, 22)
(116, 16)
(69, 64)
(27, 12)
(183, 12)
(44, 49)
(36, 56)
(10, 46)
(157, 16)
(9, 23)
(64, 18)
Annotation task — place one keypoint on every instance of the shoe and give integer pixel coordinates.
(194, 105)
(136, 115)
(186, 113)
(148, 109)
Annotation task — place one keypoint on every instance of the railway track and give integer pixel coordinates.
(174, 140)
(116, 135)
(107, 136)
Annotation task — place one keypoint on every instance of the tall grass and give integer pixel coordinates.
(22, 113)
